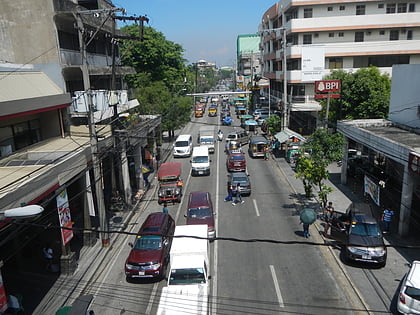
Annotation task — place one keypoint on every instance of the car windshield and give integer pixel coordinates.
(412, 292)
(181, 144)
(200, 159)
(187, 276)
(236, 158)
(365, 229)
(207, 140)
(199, 213)
(148, 242)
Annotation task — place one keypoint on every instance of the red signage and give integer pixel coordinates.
(322, 96)
(326, 86)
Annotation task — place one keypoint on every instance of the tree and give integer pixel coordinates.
(273, 124)
(364, 94)
(154, 59)
(317, 153)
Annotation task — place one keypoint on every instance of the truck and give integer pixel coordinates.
(206, 137)
(188, 281)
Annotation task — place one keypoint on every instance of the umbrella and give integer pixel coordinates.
(308, 216)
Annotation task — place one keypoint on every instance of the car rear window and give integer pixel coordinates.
(236, 158)
(412, 292)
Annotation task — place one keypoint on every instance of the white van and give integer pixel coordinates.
(183, 146)
(200, 161)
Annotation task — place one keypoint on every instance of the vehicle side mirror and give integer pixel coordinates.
(131, 245)
(185, 215)
(190, 161)
(210, 160)
(165, 242)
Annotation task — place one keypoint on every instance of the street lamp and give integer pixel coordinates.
(22, 212)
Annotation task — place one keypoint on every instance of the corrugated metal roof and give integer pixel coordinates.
(25, 85)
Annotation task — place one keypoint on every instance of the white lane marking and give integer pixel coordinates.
(276, 286)
(153, 295)
(184, 189)
(215, 249)
(256, 207)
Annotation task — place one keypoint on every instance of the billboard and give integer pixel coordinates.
(64, 216)
(313, 63)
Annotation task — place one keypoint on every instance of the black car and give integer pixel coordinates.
(361, 236)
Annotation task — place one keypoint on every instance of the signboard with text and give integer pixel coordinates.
(327, 86)
(64, 216)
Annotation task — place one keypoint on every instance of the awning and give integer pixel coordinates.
(251, 122)
(287, 134)
(247, 117)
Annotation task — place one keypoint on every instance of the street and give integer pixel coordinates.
(262, 265)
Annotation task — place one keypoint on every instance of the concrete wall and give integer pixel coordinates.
(404, 105)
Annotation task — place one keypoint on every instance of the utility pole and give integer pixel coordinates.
(285, 122)
(103, 221)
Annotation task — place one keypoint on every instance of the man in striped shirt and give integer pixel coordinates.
(387, 219)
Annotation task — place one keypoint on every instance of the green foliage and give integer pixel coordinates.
(364, 94)
(154, 59)
(324, 147)
(274, 124)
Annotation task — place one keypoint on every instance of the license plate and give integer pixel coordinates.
(141, 273)
(366, 257)
(200, 172)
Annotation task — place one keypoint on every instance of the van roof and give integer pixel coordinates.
(198, 199)
(183, 137)
(153, 223)
(201, 150)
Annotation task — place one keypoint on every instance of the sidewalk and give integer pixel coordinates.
(342, 197)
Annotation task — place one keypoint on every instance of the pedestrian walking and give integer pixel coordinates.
(238, 197)
(229, 197)
(48, 256)
(165, 208)
(305, 229)
(266, 153)
(328, 214)
(386, 219)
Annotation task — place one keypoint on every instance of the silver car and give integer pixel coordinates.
(408, 299)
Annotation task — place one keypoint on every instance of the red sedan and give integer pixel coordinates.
(236, 162)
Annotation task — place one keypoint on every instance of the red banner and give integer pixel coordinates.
(3, 296)
(64, 216)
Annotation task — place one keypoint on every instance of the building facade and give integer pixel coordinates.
(302, 41)
(382, 157)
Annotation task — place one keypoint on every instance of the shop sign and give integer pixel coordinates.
(322, 96)
(414, 162)
(327, 86)
(64, 216)
(372, 190)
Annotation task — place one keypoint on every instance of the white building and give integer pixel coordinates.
(331, 34)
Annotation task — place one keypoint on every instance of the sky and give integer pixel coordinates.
(205, 29)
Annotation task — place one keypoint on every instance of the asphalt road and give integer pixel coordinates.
(291, 276)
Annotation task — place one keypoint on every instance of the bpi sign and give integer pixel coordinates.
(327, 89)
(327, 86)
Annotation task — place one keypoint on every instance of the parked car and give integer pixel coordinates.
(200, 211)
(236, 162)
(149, 254)
(243, 179)
(409, 296)
(238, 135)
(361, 236)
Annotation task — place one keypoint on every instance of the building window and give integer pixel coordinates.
(360, 9)
(394, 35)
(294, 39)
(381, 32)
(359, 36)
(335, 63)
(402, 8)
(330, 8)
(409, 34)
(330, 34)
(26, 133)
(411, 7)
(342, 7)
(390, 8)
(307, 39)
(340, 34)
(380, 6)
(307, 13)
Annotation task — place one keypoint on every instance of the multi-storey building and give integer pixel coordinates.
(302, 41)
(248, 58)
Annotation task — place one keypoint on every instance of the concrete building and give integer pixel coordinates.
(302, 41)
(248, 59)
(57, 66)
(383, 156)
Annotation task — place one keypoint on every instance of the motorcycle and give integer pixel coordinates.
(220, 136)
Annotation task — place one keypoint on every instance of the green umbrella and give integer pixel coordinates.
(308, 216)
(63, 311)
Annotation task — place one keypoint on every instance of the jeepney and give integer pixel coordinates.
(258, 145)
(213, 110)
(170, 182)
